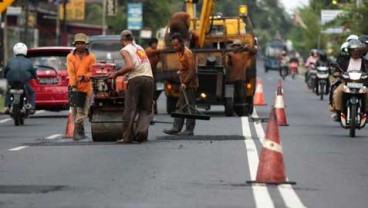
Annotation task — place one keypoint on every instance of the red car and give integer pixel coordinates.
(51, 87)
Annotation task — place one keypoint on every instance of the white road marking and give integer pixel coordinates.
(5, 120)
(9, 119)
(54, 136)
(261, 195)
(290, 198)
(18, 148)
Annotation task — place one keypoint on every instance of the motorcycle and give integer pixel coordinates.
(284, 69)
(19, 105)
(322, 81)
(311, 78)
(293, 68)
(353, 115)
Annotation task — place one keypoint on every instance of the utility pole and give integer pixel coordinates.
(2, 20)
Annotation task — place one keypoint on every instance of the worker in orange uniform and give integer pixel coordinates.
(189, 84)
(79, 66)
(239, 59)
(153, 54)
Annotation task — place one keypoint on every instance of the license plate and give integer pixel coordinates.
(48, 80)
(354, 85)
(159, 86)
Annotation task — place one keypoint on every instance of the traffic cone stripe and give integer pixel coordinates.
(271, 145)
(279, 102)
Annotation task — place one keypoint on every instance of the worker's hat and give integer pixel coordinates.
(80, 37)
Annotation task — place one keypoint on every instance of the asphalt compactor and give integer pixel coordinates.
(106, 111)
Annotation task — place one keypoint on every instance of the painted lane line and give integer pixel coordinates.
(258, 127)
(261, 195)
(54, 136)
(291, 199)
(5, 120)
(288, 195)
(18, 148)
(9, 119)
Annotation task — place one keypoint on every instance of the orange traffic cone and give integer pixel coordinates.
(69, 131)
(271, 168)
(280, 106)
(258, 98)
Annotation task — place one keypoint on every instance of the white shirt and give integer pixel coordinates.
(355, 64)
(141, 64)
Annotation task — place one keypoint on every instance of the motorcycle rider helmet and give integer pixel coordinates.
(313, 52)
(322, 55)
(352, 37)
(344, 47)
(363, 39)
(20, 49)
(355, 46)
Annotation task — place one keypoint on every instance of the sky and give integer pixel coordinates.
(291, 5)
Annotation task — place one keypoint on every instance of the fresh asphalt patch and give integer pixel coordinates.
(30, 189)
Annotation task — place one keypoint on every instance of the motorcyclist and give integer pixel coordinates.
(284, 61)
(20, 69)
(348, 63)
(364, 40)
(323, 61)
(311, 60)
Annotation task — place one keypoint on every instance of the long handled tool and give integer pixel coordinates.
(188, 111)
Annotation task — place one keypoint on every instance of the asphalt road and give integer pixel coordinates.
(39, 168)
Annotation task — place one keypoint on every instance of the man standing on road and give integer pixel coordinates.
(239, 60)
(79, 66)
(139, 94)
(189, 84)
(153, 55)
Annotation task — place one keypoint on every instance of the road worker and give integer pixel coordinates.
(139, 95)
(189, 84)
(79, 67)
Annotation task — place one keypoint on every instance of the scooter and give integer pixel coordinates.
(353, 115)
(19, 105)
(322, 81)
(293, 68)
(311, 78)
(284, 69)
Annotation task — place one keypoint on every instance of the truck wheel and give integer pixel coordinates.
(171, 104)
(229, 106)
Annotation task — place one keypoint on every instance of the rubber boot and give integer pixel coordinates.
(77, 132)
(178, 125)
(82, 132)
(189, 129)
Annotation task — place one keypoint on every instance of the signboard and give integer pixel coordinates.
(329, 15)
(74, 10)
(135, 18)
(4, 4)
(111, 7)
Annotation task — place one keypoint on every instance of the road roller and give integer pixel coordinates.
(106, 111)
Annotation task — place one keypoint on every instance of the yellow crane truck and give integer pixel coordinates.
(216, 34)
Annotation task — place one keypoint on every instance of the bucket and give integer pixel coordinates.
(77, 99)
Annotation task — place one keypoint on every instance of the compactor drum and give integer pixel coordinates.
(106, 112)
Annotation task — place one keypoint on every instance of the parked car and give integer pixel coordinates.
(51, 87)
(106, 48)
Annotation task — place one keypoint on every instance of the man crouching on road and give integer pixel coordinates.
(139, 94)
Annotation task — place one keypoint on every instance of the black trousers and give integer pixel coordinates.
(138, 106)
(179, 122)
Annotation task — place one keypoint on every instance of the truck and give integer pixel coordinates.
(216, 34)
